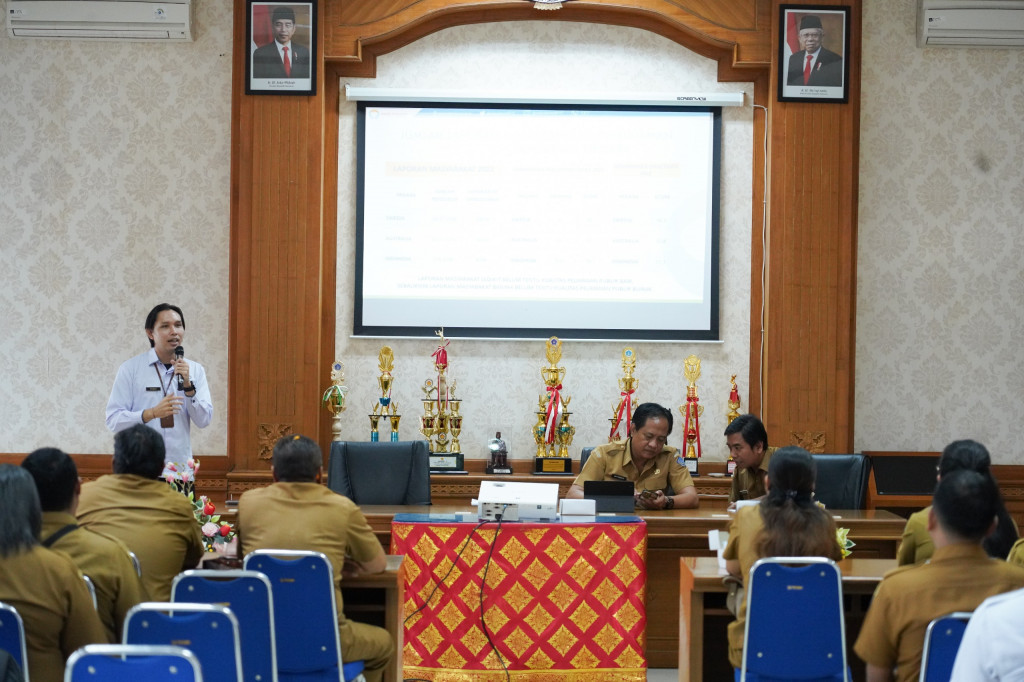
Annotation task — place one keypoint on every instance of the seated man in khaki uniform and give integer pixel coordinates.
(748, 445)
(646, 460)
(105, 560)
(958, 578)
(138, 508)
(298, 512)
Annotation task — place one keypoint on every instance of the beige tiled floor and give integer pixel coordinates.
(662, 675)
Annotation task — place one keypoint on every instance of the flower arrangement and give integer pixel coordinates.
(214, 531)
(845, 543)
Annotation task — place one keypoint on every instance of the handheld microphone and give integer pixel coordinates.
(179, 353)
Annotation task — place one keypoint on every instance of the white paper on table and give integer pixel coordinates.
(717, 540)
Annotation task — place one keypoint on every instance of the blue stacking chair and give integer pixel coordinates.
(248, 595)
(941, 642)
(132, 663)
(210, 632)
(12, 636)
(794, 625)
(305, 616)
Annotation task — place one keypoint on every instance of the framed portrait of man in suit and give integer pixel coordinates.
(281, 52)
(814, 48)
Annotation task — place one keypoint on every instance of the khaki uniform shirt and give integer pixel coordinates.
(306, 516)
(916, 546)
(613, 460)
(106, 562)
(743, 531)
(957, 578)
(54, 603)
(151, 519)
(751, 480)
(1016, 555)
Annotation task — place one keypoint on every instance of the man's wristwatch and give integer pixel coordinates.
(191, 388)
(670, 502)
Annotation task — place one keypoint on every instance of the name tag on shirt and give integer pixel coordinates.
(152, 388)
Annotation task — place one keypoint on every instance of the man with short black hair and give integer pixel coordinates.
(105, 560)
(138, 508)
(298, 512)
(644, 458)
(747, 440)
(146, 392)
(958, 578)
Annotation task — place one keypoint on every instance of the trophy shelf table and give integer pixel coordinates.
(679, 533)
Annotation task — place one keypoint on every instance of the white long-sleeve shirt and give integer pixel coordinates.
(138, 388)
(993, 644)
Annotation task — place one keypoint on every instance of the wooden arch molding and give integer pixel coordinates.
(283, 283)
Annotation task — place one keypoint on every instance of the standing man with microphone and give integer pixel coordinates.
(162, 390)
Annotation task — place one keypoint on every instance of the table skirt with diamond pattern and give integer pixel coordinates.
(561, 601)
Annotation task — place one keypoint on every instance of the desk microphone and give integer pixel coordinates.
(179, 353)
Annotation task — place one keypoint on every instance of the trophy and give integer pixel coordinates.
(622, 414)
(441, 422)
(385, 408)
(734, 411)
(691, 412)
(334, 398)
(552, 432)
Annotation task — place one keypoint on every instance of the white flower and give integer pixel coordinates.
(210, 529)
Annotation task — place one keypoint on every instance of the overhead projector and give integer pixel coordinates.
(514, 501)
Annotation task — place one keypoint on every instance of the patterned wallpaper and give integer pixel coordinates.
(499, 381)
(940, 290)
(114, 169)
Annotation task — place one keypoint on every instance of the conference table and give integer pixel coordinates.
(700, 581)
(676, 533)
(564, 599)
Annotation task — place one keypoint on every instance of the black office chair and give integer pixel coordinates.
(842, 480)
(585, 455)
(380, 473)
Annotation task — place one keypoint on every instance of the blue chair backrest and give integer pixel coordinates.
(12, 636)
(305, 612)
(248, 595)
(941, 642)
(132, 663)
(210, 632)
(794, 625)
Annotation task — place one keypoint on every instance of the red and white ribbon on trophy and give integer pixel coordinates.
(554, 413)
(625, 406)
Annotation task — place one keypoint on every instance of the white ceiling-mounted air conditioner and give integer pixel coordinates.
(970, 23)
(101, 19)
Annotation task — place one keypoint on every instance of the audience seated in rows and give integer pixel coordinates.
(786, 523)
(105, 560)
(959, 576)
(298, 512)
(916, 547)
(43, 585)
(138, 508)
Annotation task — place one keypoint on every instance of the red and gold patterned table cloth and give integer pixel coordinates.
(562, 601)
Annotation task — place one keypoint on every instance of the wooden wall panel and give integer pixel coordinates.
(284, 166)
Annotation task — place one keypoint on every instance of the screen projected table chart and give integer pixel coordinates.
(563, 598)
